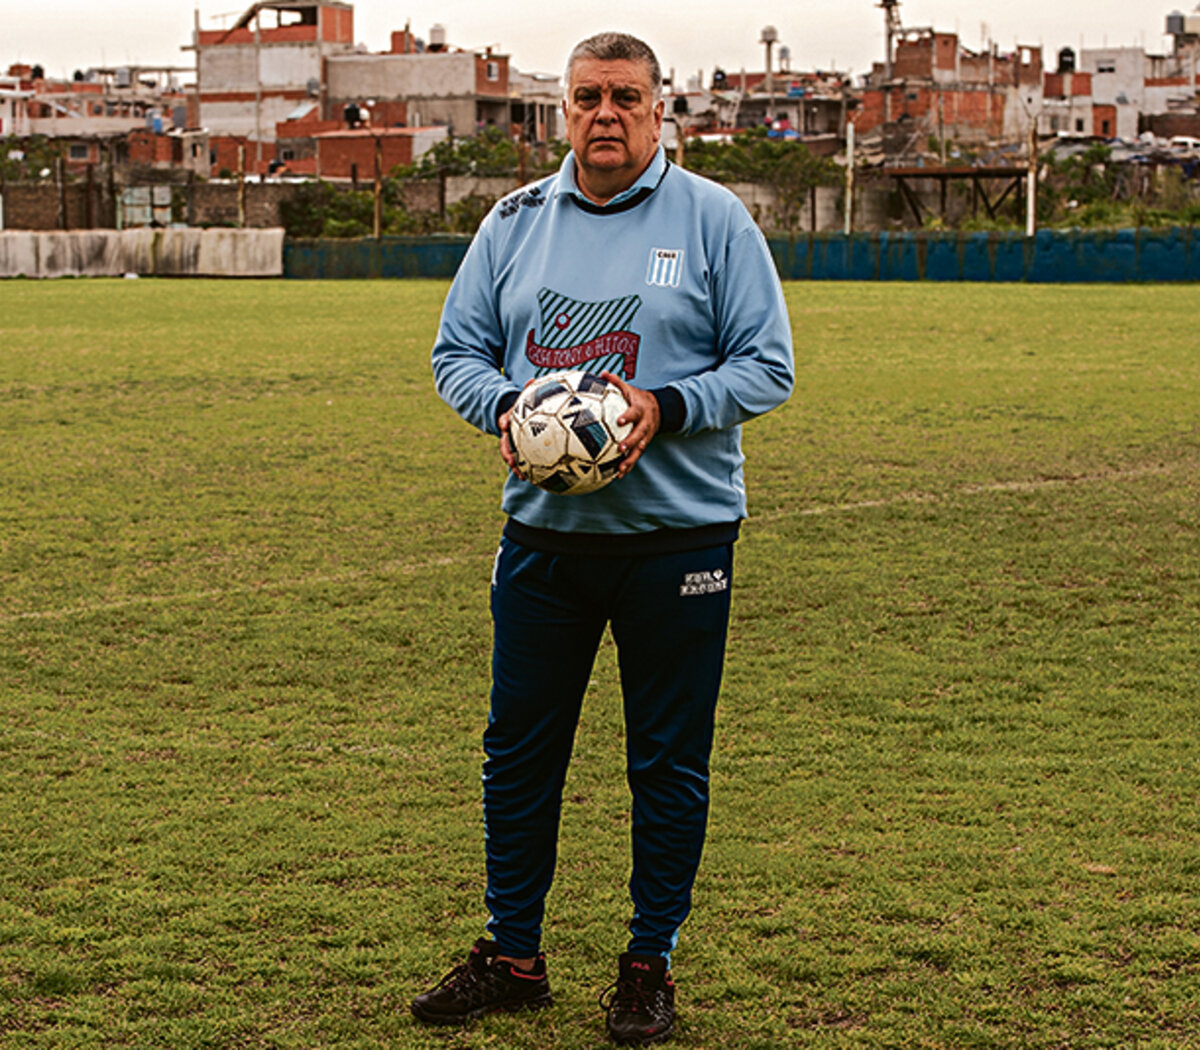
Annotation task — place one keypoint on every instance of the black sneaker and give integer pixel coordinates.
(641, 1005)
(483, 985)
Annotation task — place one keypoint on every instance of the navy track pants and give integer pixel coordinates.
(669, 616)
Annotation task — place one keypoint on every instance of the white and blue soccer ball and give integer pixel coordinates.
(564, 432)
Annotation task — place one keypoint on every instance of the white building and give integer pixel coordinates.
(14, 109)
(1138, 84)
(252, 75)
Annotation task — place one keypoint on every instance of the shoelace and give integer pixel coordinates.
(463, 978)
(628, 996)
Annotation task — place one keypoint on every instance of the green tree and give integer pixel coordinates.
(27, 158)
(790, 167)
(491, 152)
(320, 209)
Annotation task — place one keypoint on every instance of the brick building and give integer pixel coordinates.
(352, 153)
(288, 71)
(808, 104)
(942, 89)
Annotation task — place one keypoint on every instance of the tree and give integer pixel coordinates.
(788, 166)
(27, 158)
(491, 152)
(320, 209)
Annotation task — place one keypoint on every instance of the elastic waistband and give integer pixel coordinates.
(622, 544)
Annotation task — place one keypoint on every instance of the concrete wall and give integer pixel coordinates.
(215, 203)
(158, 253)
(446, 75)
(245, 69)
(759, 200)
(238, 118)
(36, 205)
(231, 78)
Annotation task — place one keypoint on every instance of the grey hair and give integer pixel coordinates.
(610, 47)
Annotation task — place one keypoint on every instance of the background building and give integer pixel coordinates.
(252, 75)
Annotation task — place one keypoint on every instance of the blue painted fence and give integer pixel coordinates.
(1051, 256)
(436, 256)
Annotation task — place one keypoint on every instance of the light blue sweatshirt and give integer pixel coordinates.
(669, 285)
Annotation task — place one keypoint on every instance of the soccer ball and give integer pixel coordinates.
(564, 432)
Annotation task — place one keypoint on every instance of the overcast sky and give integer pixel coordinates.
(65, 35)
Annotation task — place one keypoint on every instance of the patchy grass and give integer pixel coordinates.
(244, 555)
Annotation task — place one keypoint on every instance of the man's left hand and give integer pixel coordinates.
(643, 412)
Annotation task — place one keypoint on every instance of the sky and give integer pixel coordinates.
(690, 38)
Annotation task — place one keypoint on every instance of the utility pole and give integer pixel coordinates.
(942, 128)
(378, 219)
(241, 185)
(60, 178)
(849, 216)
(257, 91)
(1031, 192)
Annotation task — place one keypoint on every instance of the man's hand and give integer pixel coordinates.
(506, 449)
(643, 412)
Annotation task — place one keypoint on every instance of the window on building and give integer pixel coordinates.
(493, 71)
(1104, 129)
(1054, 123)
(1106, 65)
(1079, 125)
(78, 152)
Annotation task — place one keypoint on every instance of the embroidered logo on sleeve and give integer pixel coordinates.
(572, 333)
(527, 199)
(697, 583)
(666, 267)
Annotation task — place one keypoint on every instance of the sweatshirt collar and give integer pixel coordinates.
(645, 184)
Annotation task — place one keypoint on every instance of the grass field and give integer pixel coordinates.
(244, 555)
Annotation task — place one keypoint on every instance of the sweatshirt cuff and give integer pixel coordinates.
(672, 409)
(507, 400)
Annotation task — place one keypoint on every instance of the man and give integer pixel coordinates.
(625, 264)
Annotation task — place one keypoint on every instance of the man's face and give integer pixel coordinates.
(613, 121)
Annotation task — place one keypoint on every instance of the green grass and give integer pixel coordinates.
(244, 555)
